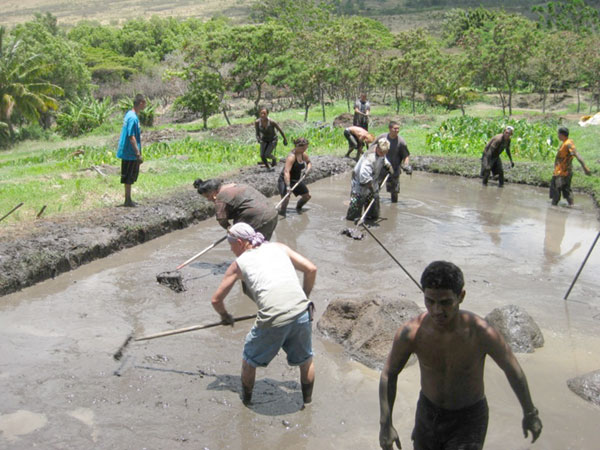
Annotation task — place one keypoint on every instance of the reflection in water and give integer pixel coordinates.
(554, 233)
(490, 210)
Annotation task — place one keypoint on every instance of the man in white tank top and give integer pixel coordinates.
(268, 274)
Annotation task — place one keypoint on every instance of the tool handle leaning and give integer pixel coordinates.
(195, 257)
(581, 267)
(362, 219)
(11, 211)
(192, 328)
(291, 190)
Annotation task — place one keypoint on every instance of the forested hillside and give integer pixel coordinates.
(70, 79)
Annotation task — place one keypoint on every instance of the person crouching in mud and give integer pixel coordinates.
(365, 181)
(296, 163)
(451, 346)
(268, 274)
(239, 203)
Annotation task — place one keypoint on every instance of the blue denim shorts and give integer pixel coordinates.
(295, 338)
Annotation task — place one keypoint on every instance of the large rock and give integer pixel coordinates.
(587, 386)
(366, 328)
(518, 328)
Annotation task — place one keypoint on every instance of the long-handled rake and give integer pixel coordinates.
(353, 232)
(289, 192)
(173, 278)
(119, 353)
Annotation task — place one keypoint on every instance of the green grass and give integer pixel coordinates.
(48, 173)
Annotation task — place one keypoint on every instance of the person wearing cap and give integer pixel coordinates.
(490, 160)
(399, 158)
(268, 274)
(239, 203)
(297, 163)
(563, 168)
(365, 185)
(357, 137)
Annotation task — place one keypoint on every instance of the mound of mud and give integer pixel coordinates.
(366, 328)
(518, 328)
(51, 246)
(587, 386)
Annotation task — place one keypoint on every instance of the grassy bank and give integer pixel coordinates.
(83, 174)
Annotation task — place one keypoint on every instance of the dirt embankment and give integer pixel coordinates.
(54, 246)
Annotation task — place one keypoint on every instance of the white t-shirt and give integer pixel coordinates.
(272, 283)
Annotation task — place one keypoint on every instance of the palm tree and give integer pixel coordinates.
(22, 88)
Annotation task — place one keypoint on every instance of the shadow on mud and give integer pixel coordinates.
(269, 398)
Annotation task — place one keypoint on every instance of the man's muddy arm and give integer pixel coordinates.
(580, 159)
(232, 274)
(401, 351)
(501, 353)
(509, 155)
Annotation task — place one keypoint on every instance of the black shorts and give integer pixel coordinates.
(301, 189)
(439, 428)
(130, 169)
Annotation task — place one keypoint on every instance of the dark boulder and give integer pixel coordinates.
(366, 328)
(587, 386)
(518, 328)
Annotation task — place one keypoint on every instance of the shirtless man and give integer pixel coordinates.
(357, 137)
(451, 346)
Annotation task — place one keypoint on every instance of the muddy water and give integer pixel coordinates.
(60, 387)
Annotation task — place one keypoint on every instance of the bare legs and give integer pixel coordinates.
(307, 380)
(128, 201)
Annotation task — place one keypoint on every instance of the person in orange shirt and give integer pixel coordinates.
(563, 168)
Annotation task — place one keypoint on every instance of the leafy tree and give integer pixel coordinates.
(255, 52)
(499, 52)
(590, 68)
(106, 65)
(306, 69)
(24, 93)
(204, 94)
(294, 14)
(551, 66)
(569, 15)
(451, 86)
(205, 53)
(412, 65)
(457, 22)
(61, 58)
(356, 45)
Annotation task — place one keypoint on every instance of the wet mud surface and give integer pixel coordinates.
(54, 246)
(61, 389)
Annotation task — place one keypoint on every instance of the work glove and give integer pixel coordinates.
(512, 164)
(285, 142)
(407, 169)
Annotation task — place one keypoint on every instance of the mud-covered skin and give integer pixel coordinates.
(57, 245)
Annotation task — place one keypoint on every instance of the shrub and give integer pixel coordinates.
(83, 115)
(469, 135)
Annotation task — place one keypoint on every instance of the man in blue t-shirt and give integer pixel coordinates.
(130, 147)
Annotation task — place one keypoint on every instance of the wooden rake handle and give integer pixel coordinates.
(192, 328)
(198, 255)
